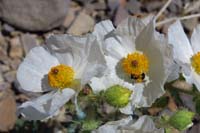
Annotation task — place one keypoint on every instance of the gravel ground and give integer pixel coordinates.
(19, 33)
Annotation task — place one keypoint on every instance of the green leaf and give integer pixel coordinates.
(181, 120)
(89, 125)
(197, 105)
(161, 102)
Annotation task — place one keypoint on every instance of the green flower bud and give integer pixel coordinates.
(181, 120)
(90, 125)
(117, 96)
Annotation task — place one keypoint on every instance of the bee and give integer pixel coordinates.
(138, 78)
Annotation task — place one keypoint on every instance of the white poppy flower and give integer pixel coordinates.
(135, 54)
(58, 68)
(143, 125)
(186, 53)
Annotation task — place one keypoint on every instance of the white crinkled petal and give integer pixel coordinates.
(196, 79)
(103, 28)
(129, 29)
(104, 82)
(149, 42)
(96, 65)
(143, 125)
(181, 45)
(193, 78)
(70, 50)
(111, 63)
(78, 52)
(147, 19)
(113, 46)
(171, 68)
(93, 70)
(131, 26)
(31, 73)
(138, 100)
(128, 109)
(174, 73)
(114, 126)
(46, 105)
(97, 84)
(195, 39)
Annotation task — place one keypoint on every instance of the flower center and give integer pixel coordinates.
(61, 76)
(117, 96)
(137, 65)
(195, 61)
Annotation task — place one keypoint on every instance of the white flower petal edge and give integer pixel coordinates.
(46, 105)
(131, 27)
(113, 126)
(143, 125)
(193, 78)
(103, 28)
(35, 66)
(174, 72)
(81, 53)
(181, 45)
(183, 50)
(195, 39)
(154, 46)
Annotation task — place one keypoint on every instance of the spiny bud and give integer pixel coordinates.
(117, 96)
(181, 120)
(90, 125)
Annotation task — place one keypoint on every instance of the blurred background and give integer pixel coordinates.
(25, 24)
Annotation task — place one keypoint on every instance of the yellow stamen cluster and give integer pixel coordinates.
(61, 76)
(195, 61)
(135, 64)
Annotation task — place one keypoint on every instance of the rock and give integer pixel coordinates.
(173, 8)
(99, 6)
(133, 6)
(83, 24)
(10, 76)
(15, 63)
(62, 117)
(3, 55)
(192, 7)
(4, 85)
(182, 85)
(7, 110)
(29, 41)
(4, 68)
(194, 129)
(7, 29)
(3, 42)
(188, 101)
(154, 5)
(190, 24)
(69, 18)
(34, 15)
(113, 4)
(1, 78)
(121, 14)
(16, 48)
